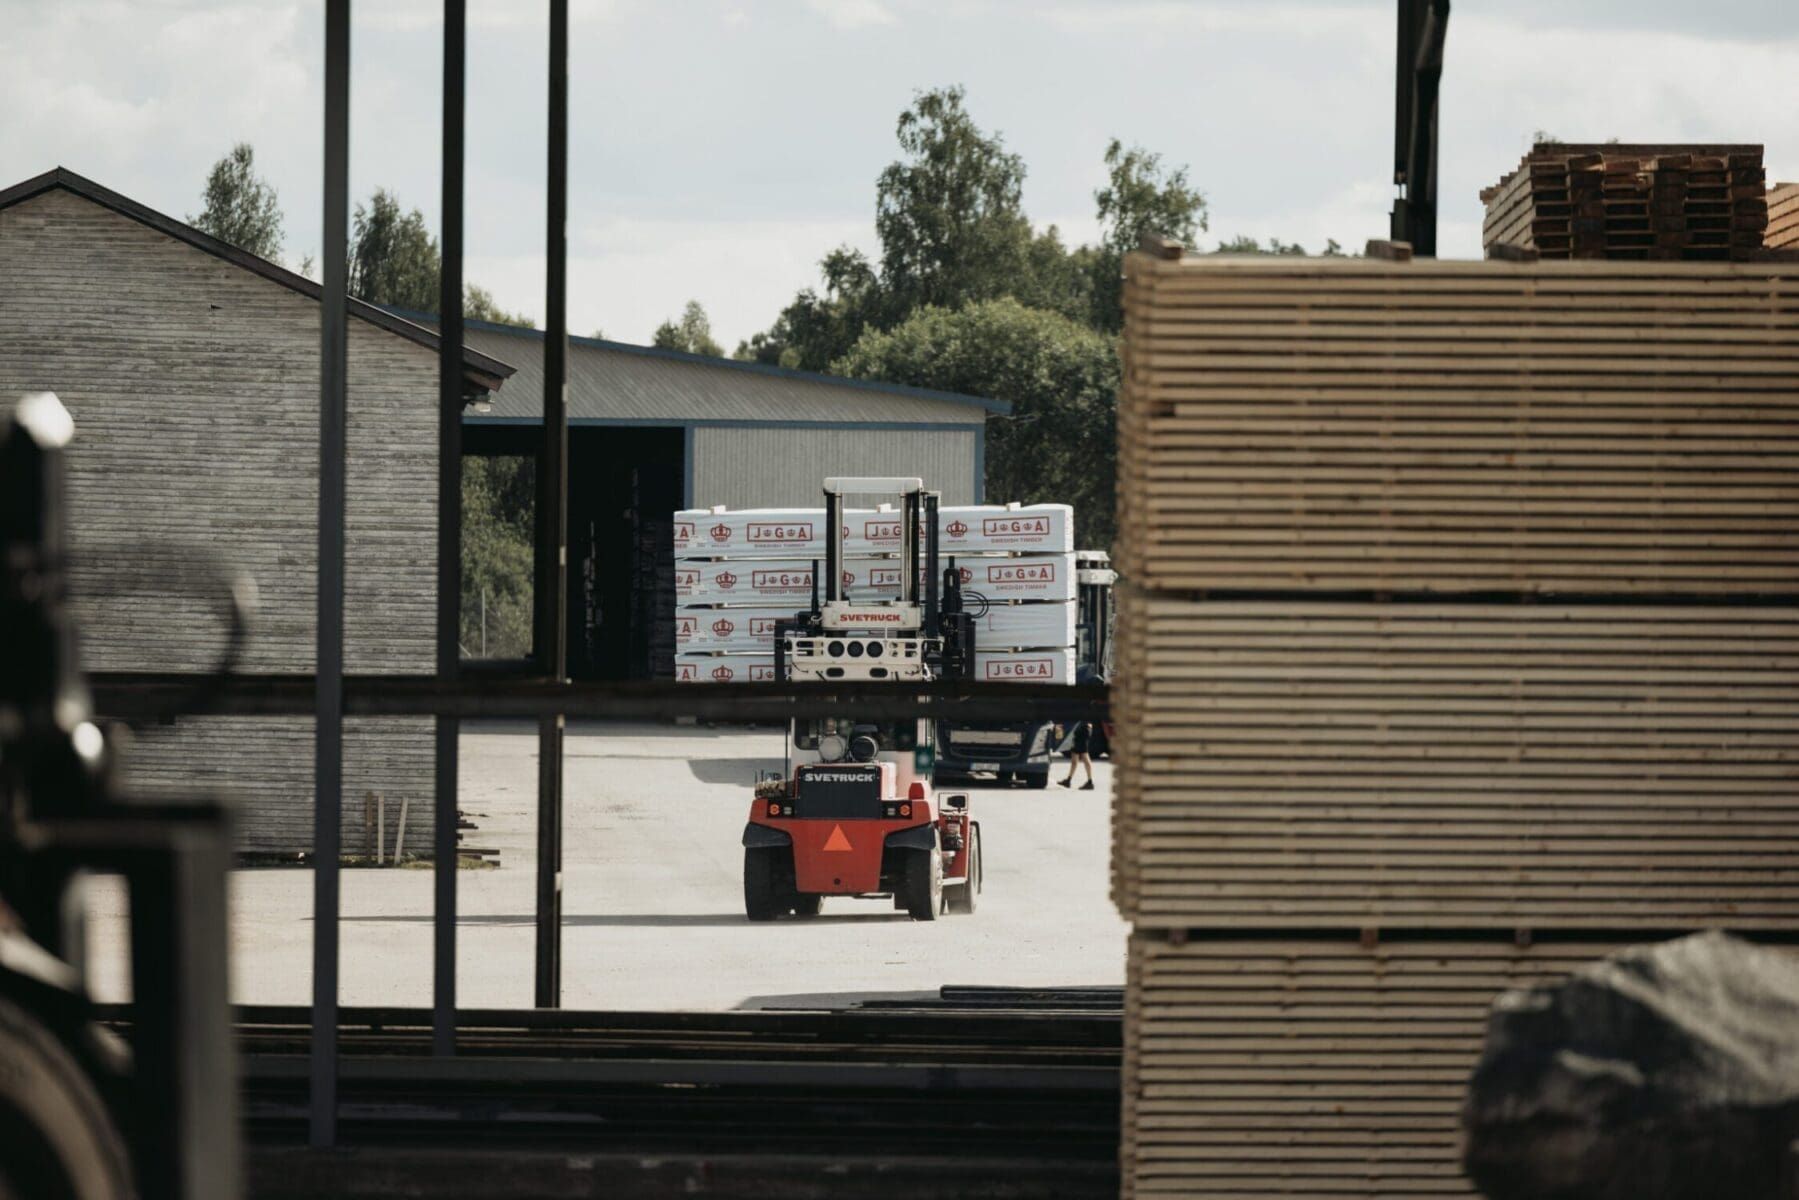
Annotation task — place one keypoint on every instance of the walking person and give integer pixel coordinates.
(1078, 754)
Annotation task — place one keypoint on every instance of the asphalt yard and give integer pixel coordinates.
(653, 904)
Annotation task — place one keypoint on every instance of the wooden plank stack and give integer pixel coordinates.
(1463, 601)
(1783, 217)
(1662, 202)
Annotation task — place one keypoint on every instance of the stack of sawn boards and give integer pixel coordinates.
(1631, 202)
(1460, 646)
(1783, 217)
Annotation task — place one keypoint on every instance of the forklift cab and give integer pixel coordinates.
(908, 745)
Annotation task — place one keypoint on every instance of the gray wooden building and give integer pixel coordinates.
(191, 370)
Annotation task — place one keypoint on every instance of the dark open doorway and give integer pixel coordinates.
(624, 485)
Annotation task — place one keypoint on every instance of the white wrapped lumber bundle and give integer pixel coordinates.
(706, 666)
(1311, 1068)
(1313, 764)
(1460, 427)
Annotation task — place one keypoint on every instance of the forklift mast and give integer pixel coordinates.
(924, 634)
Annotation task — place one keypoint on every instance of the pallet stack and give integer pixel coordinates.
(1619, 201)
(1783, 217)
(1461, 645)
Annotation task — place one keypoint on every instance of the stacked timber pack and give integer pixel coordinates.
(1461, 645)
(739, 571)
(1783, 217)
(1630, 202)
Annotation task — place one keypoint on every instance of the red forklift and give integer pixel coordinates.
(855, 815)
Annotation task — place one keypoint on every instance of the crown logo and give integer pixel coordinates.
(956, 529)
(721, 532)
(722, 674)
(725, 579)
(723, 628)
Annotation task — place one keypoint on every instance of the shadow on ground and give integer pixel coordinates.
(664, 920)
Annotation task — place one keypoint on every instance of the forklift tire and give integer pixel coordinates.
(961, 898)
(1040, 782)
(759, 902)
(921, 885)
(59, 1138)
(1005, 778)
(807, 905)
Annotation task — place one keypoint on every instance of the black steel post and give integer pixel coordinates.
(184, 1058)
(449, 533)
(328, 757)
(1422, 31)
(552, 523)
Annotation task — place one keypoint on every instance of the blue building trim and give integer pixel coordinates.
(980, 465)
(687, 467)
(730, 364)
(979, 491)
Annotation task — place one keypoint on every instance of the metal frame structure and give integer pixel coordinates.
(456, 691)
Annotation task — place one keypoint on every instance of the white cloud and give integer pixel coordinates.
(1171, 18)
(852, 14)
(628, 275)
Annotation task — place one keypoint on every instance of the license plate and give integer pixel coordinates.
(986, 766)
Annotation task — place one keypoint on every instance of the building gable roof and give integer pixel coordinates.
(479, 369)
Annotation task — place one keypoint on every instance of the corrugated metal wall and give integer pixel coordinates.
(194, 388)
(777, 467)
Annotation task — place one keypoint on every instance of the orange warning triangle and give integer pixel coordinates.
(837, 841)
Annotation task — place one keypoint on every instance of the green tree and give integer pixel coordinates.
(1141, 196)
(819, 326)
(498, 498)
(478, 304)
(1061, 377)
(949, 214)
(1242, 244)
(241, 206)
(692, 333)
(393, 257)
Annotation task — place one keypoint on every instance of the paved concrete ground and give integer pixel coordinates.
(653, 904)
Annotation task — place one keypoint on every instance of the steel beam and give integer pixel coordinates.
(328, 685)
(449, 533)
(148, 696)
(552, 507)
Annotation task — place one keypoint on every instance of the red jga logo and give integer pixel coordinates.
(763, 627)
(1015, 525)
(725, 579)
(685, 628)
(1022, 668)
(683, 532)
(684, 673)
(780, 533)
(721, 532)
(762, 672)
(1036, 572)
(722, 674)
(884, 576)
(956, 529)
(687, 579)
(723, 628)
(774, 581)
(882, 531)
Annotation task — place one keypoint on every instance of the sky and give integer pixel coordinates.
(718, 148)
